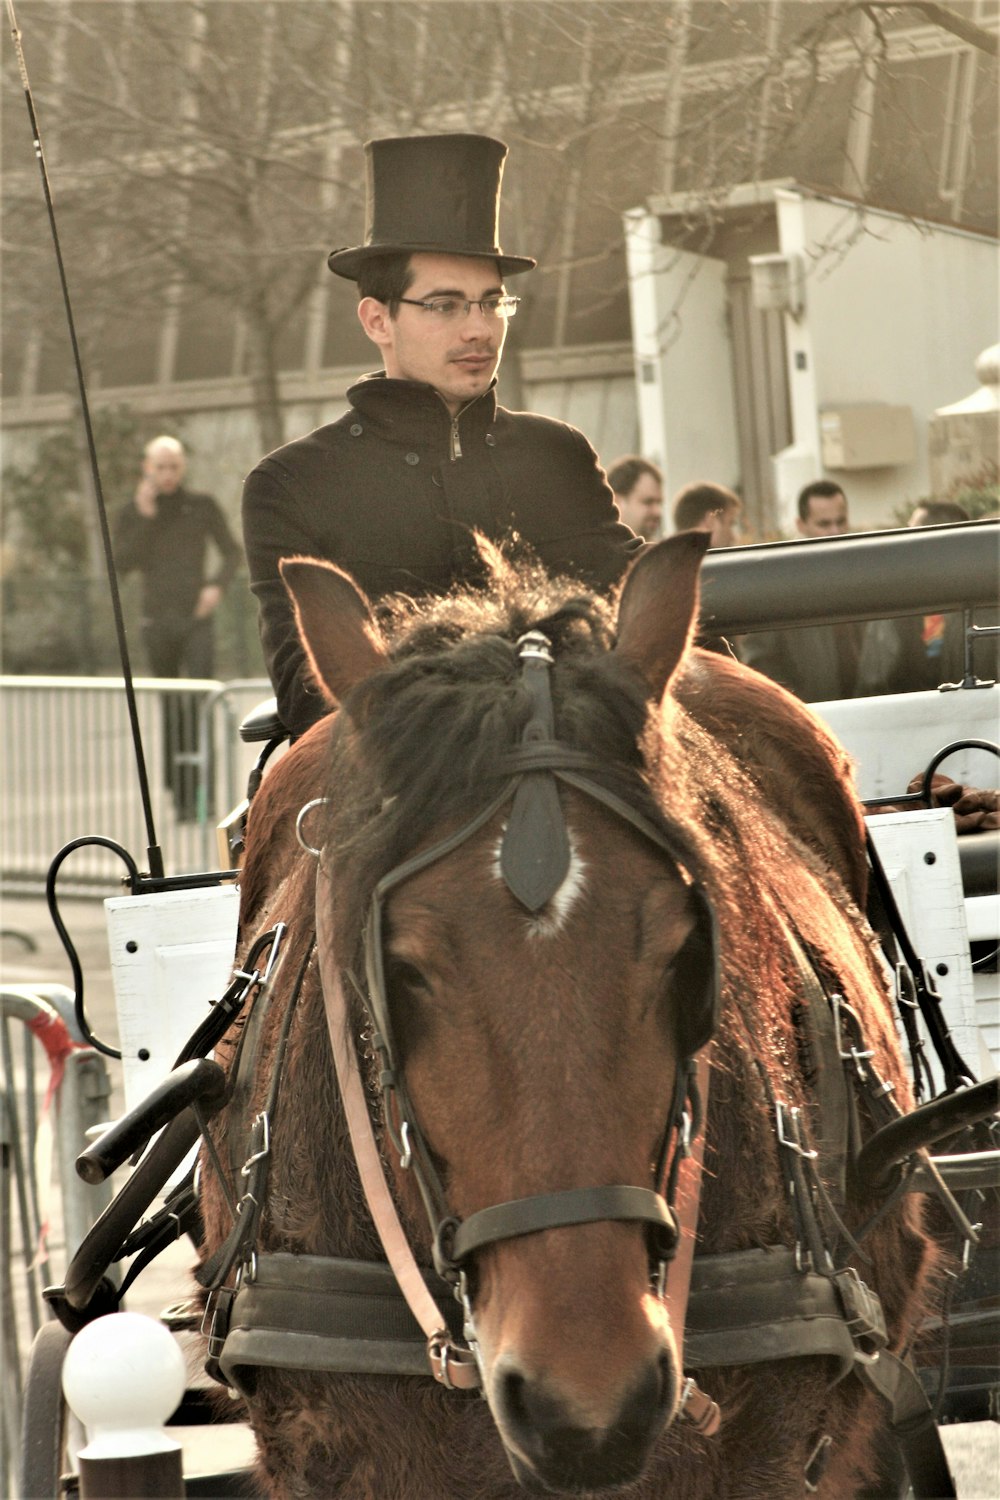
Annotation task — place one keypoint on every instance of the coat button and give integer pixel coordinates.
(491, 441)
(356, 429)
(413, 458)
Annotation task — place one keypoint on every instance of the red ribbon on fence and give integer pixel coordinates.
(49, 1028)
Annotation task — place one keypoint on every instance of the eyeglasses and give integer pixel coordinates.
(447, 308)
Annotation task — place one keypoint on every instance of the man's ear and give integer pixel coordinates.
(375, 319)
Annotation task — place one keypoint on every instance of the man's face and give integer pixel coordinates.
(642, 507)
(827, 516)
(459, 356)
(165, 467)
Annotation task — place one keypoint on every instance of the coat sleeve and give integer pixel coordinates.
(228, 548)
(590, 540)
(272, 529)
(131, 538)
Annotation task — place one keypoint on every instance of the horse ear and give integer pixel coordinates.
(335, 624)
(658, 606)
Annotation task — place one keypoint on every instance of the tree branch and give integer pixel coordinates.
(947, 19)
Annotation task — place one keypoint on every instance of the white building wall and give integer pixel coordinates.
(683, 355)
(895, 312)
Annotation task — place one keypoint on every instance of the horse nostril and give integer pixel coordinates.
(514, 1400)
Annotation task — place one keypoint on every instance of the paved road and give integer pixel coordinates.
(973, 1448)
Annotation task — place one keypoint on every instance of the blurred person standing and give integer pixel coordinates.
(704, 506)
(818, 663)
(166, 533)
(638, 487)
(914, 653)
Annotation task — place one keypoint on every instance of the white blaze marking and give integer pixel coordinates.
(556, 912)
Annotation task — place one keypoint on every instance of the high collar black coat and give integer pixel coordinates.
(393, 491)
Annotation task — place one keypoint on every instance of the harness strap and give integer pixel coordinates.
(341, 1316)
(913, 1425)
(450, 1363)
(240, 1242)
(696, 1406)
(956, 1069)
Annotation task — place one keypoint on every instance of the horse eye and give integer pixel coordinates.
(403, 976)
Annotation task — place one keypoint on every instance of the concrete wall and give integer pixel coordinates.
(895, 312)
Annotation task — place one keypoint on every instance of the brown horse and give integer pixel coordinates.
(538, 1038)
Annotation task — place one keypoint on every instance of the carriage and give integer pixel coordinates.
(577, 1057)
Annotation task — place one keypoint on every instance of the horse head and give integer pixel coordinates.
(543, 958)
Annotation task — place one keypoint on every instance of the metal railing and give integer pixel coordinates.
(68, 772)
(54, 1091)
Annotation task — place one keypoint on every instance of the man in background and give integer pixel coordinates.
(638, 487)
(819, 663)
(704, 506)
(914, 653)
(166, 533)
(169, 534)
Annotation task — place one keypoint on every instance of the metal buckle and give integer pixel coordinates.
(215, 1319)
(783, 1139)
(863, 1314)
(684, 1134)
(534, 646)
(816, 1463)
(265, 1125)
(246, 1272)
(856, 1055)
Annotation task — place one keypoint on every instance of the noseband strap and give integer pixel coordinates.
(457, 1240)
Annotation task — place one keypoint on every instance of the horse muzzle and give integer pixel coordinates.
(552, 1446)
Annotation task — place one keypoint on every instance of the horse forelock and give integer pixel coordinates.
(423, 740)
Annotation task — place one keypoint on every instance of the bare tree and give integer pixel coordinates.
(206, 152)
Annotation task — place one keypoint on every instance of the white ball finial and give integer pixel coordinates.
(124, 1376)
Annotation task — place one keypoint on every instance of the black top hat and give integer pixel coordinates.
(433, 193)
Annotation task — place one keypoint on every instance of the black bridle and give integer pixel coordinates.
(534, 861)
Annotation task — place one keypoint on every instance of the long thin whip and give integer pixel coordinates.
(154, 852)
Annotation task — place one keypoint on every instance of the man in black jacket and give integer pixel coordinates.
(165, 532)
(425, 456)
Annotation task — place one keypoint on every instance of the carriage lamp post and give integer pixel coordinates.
(123, 1377)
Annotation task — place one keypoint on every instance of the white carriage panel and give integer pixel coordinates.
(987, 991)
(919, 851)
(894, 738)
(171, 956)
(982, 915)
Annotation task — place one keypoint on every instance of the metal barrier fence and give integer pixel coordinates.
(54, 1091)
(69, 771)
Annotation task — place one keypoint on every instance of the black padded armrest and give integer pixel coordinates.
(262, 723)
